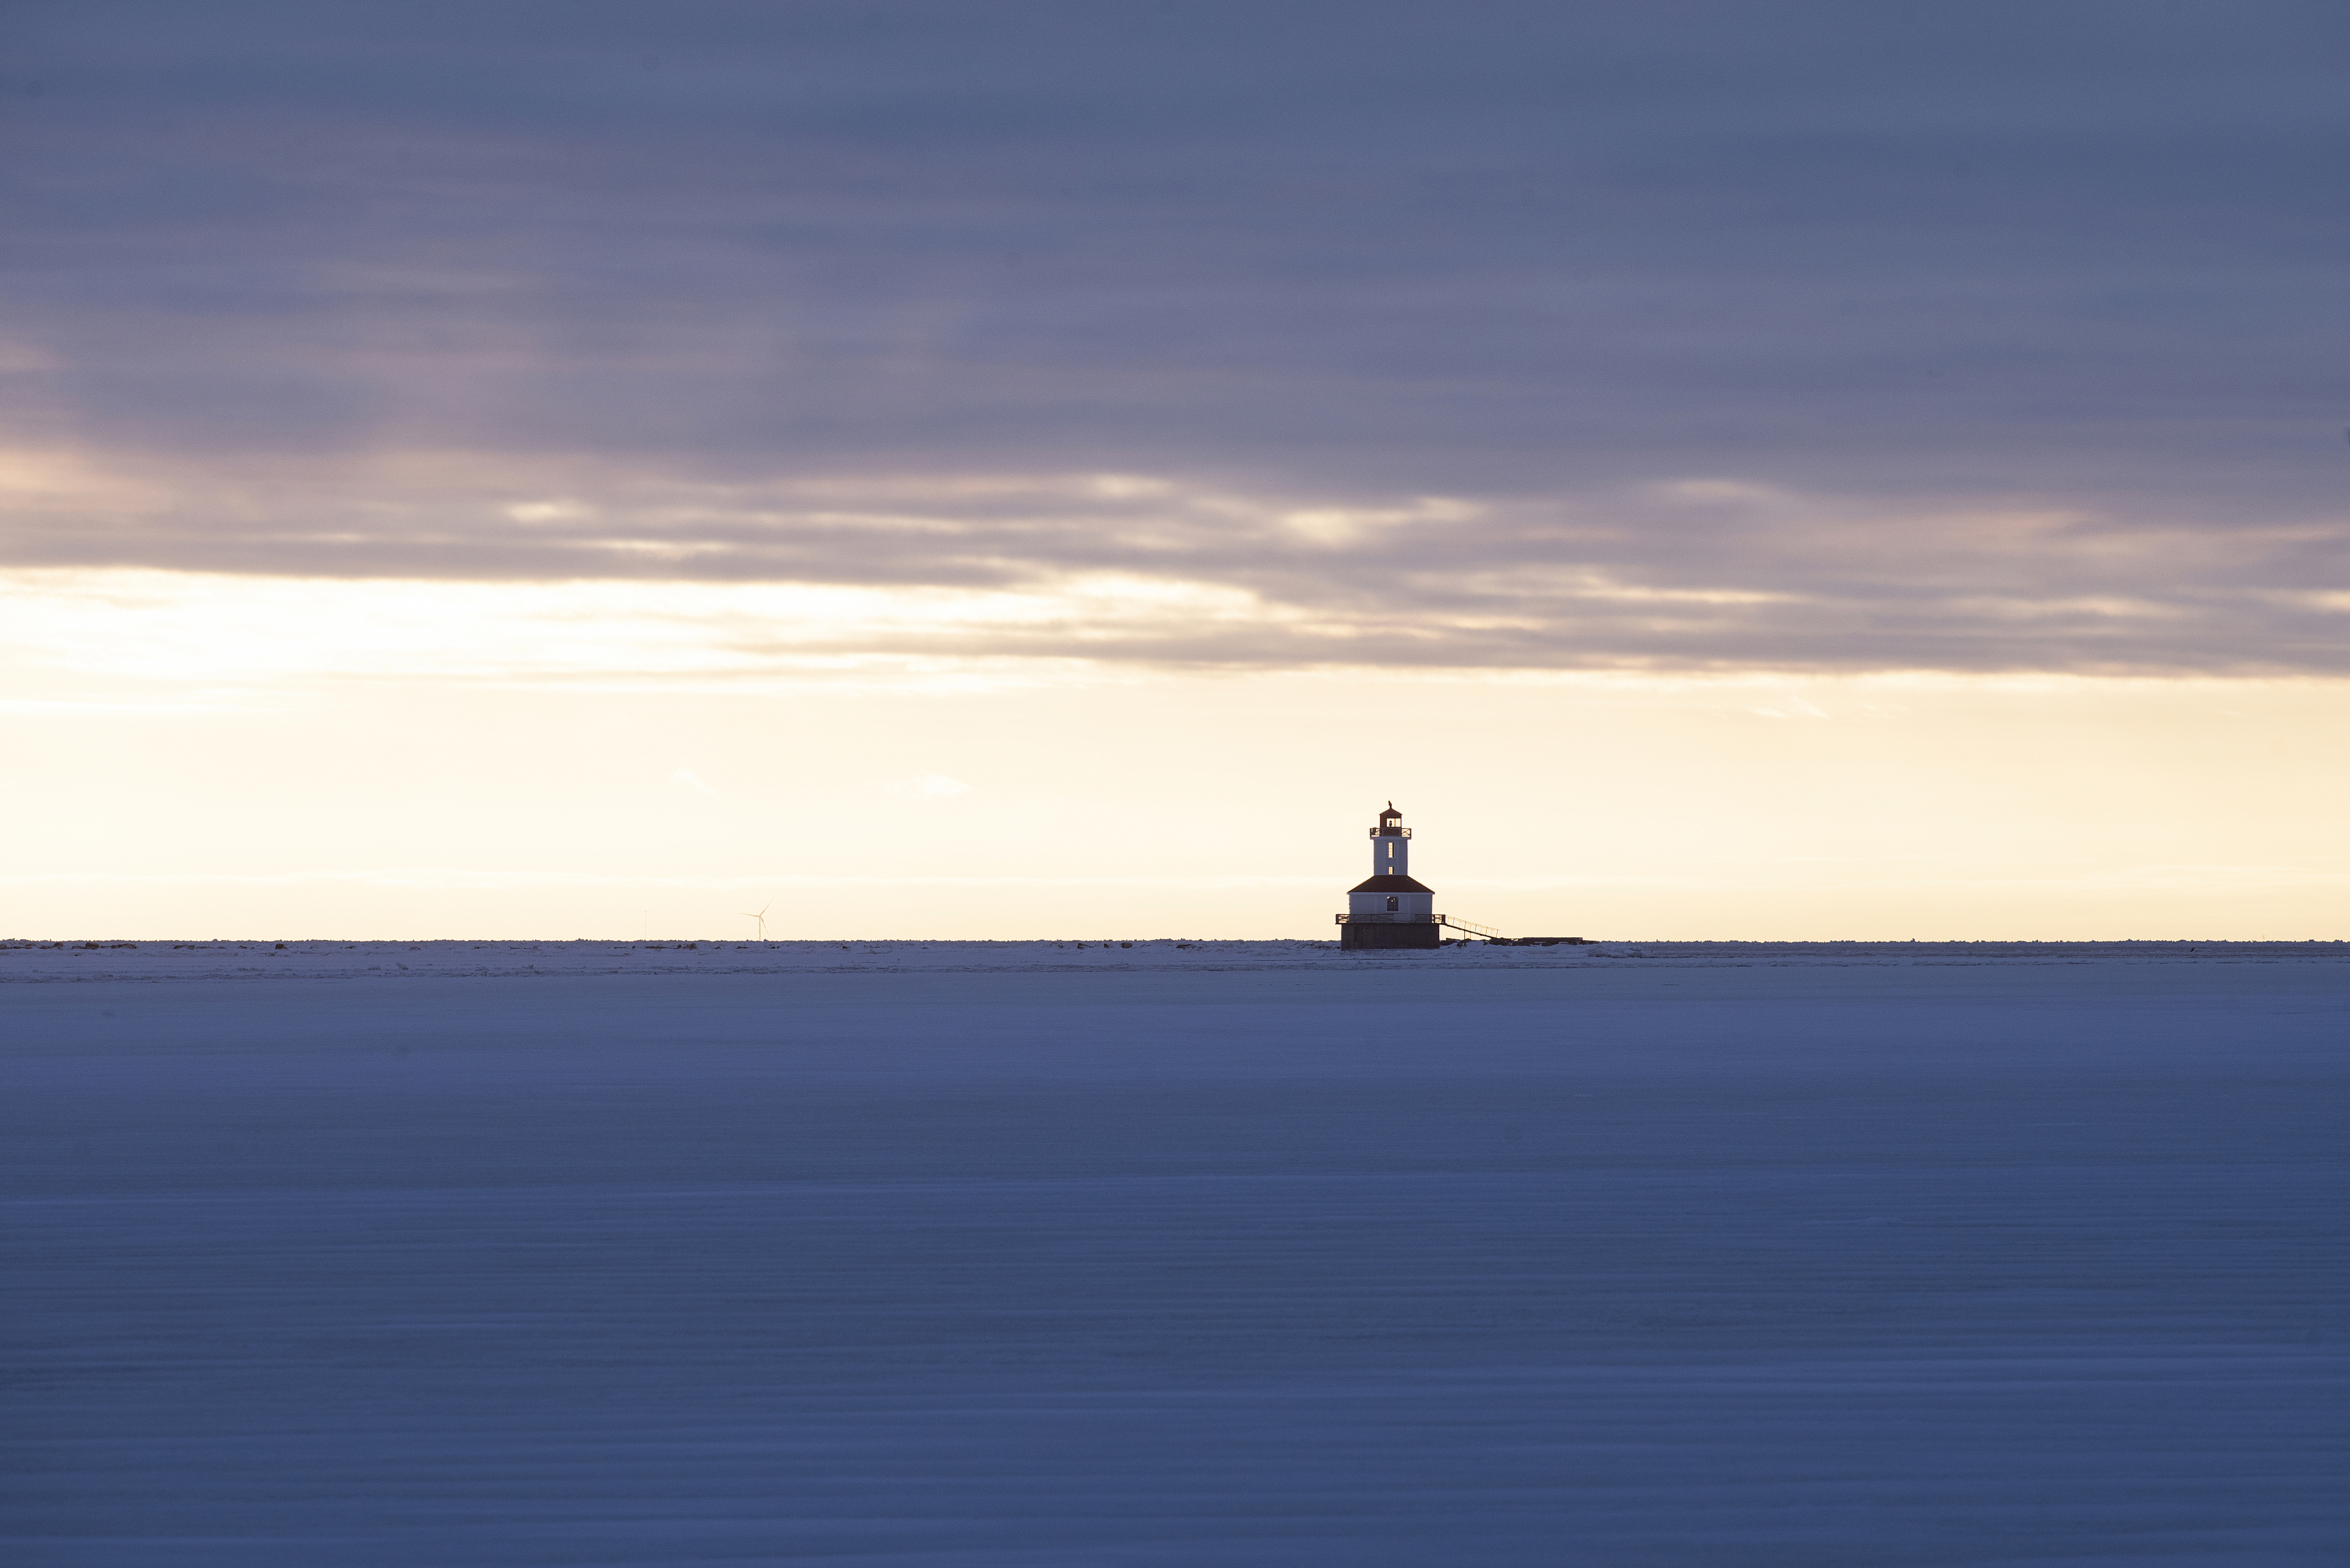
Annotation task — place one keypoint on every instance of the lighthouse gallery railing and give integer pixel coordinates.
(1474, 930)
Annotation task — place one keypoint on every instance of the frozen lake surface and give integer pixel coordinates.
(874, 1253)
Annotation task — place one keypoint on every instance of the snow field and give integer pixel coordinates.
(1241, 1254)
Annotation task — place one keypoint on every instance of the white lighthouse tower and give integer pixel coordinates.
(1389, 909)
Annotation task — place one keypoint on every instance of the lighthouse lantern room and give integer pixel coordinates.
(1389, 909)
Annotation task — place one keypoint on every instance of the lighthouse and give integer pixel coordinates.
(1389, 909)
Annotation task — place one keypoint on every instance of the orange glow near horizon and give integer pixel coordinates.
(197, 757)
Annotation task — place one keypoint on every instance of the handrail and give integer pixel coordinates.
(1488, 932)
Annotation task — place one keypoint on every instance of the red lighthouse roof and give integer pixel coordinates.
(1391, 885)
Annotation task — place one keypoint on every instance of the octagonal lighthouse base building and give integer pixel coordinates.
(1390, 909)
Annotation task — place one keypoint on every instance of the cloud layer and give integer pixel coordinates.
(1690, 335)
(1686, 576)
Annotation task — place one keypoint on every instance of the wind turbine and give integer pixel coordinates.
(762, 917)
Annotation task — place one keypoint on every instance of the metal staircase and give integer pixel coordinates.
(1488, 932)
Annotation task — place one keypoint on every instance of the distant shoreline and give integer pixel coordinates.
(85, 960)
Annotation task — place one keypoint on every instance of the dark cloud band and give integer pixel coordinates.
(2012, 336)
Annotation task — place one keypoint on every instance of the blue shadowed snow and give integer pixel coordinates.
(1237, 1254)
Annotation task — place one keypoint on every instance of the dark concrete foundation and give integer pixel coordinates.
(1389, 934)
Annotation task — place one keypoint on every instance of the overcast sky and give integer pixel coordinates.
(1025, 469)
(1811, 336)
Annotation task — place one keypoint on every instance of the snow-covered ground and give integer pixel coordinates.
(1230, 1253)
(27, 961)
